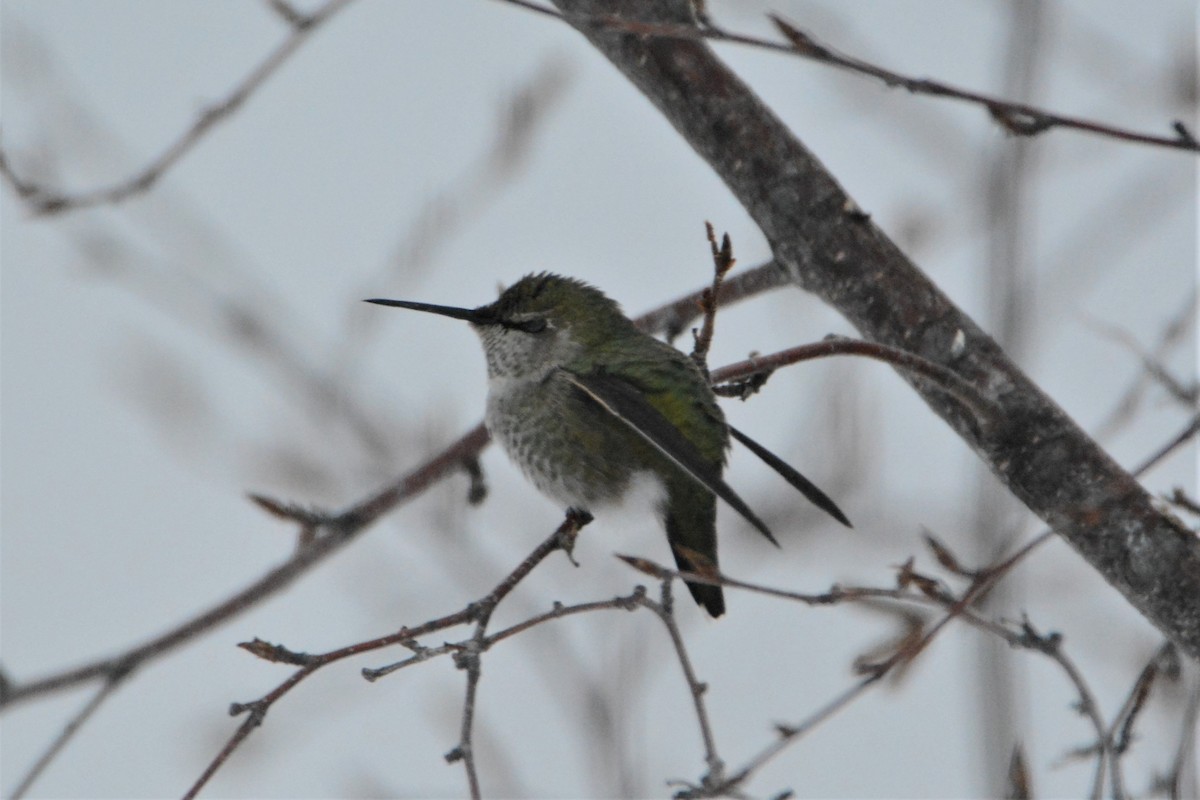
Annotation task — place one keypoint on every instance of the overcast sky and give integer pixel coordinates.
(165, 356)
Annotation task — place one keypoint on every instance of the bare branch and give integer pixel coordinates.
(45, 200)
(828, 248)
(674, 318)
(723, 261)
(665, 611)
(1120, 734)
(335, 533)
(913, 588)
(983, 410)
(1018, 119)
(112, 681)
(478, 612)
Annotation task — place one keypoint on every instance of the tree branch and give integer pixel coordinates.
(44, 200)
(830, 248)
(1018, 119)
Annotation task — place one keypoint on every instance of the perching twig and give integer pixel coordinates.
(478, 612)
(468, 658)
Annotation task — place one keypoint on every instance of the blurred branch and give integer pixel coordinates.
(829, 248)
(1120, 733)
(1181, 780)
(112, 680)
(674, 318)
(523, 113)
(46, 200)
(1018, 119)
(1184, 436)
(1007, 174)
(332, 533)
(1154, 369)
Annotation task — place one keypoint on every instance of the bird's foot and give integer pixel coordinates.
(568, 532)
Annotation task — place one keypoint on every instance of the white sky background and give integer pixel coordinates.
(133, 426)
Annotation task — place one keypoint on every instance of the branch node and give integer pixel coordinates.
(257, 709)
(1185, 135)
(275, 653)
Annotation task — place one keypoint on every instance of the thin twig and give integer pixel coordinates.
(981, 408)
(257, 709)
(1018, 119)
(115, 679)
(664, 609)
(337, 532)
(1181, 780)
(1051, 646)
(789, 734)
(1120, 734)
(468, 658)
(723, 261)
(675, 317)
(1152, 367)
(1173, 333)
(927, 592)
(1183, 437)
(44, 200)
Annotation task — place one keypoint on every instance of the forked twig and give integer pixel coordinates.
(477, 612)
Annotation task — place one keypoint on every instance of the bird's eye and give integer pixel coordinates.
(536, 325)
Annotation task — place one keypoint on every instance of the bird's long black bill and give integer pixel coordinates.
(792, 476)
(469, 314)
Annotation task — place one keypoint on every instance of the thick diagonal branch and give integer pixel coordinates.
(830, 248)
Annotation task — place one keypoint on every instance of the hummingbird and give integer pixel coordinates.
(590, 408)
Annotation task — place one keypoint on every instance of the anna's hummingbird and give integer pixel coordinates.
(589, 407)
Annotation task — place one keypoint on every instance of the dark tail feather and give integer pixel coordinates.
(692, 534)
(792, 476)
(711, 597)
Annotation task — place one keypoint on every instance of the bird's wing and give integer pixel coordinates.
(792, 476)
(625, 402)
